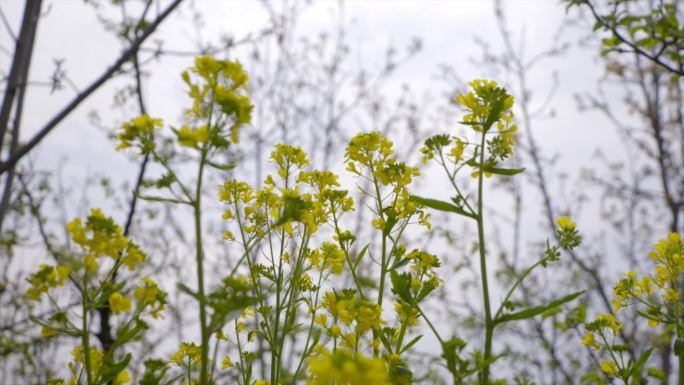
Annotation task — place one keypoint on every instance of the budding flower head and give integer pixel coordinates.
(567, 235)
(565, 222)
(487, 103)
(139, 132)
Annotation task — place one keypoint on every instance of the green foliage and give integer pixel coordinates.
(284, 311)
(654, 31)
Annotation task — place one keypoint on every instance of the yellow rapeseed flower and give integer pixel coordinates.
(119, 304)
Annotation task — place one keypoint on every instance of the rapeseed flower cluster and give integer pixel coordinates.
(373, 152)
(216, 88)
(188, 355)
(47, 277)
(488, 111)
(370, 156)
(98, 368)
(311, 198)
(328, 256)
(487, 101)
(99, 236)
(140, 132)
(423, 265)
(488, 106)
(602, 333)
(668, 255)
(343, 367)
(148, 294)
(656, 295)
(350, 311)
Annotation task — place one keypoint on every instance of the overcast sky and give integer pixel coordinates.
(70, 30)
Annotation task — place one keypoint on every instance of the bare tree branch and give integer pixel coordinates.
(125, 56)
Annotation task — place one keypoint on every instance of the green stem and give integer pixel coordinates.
(275, 358)
(452, 179)
(489, 326)
(292, 292)
(85, 337)
(678, 333)
(383, 270)
(383, 260)
(311, 328)
(430, 325)
(402, 332)
(197, 204)
(346, 253)
(515, 286)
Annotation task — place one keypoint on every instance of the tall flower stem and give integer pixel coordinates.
(85, 337)
(489, 325)
(197, 206)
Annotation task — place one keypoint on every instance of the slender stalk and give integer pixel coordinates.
(85, 338)
(430, 325)
(291, 294)
(517, 283)
(275, 357)
(346, 254)
(197, 205)
(483, 268)
(383, 270)
(383, 260)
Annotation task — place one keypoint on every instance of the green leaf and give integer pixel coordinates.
(222, 167)
(655, 373)
(494, 114)
(227, 301)
(367, 282)
(400, 263)
(534, 311)
(385, 341)
(129, 332)
(111, 369)
(628, 20)
(633, 30)
(155, 373)
(185, 289)
(593, 377)
(401, 286)
(495, 170)
(635, 371)
(550, 313)
(389, 223)
(292, 210)
(648, 42)
(360, 256)
(441, 206)
(410, 343)
(503, 171)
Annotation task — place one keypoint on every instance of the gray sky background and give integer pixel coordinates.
(448, 29)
